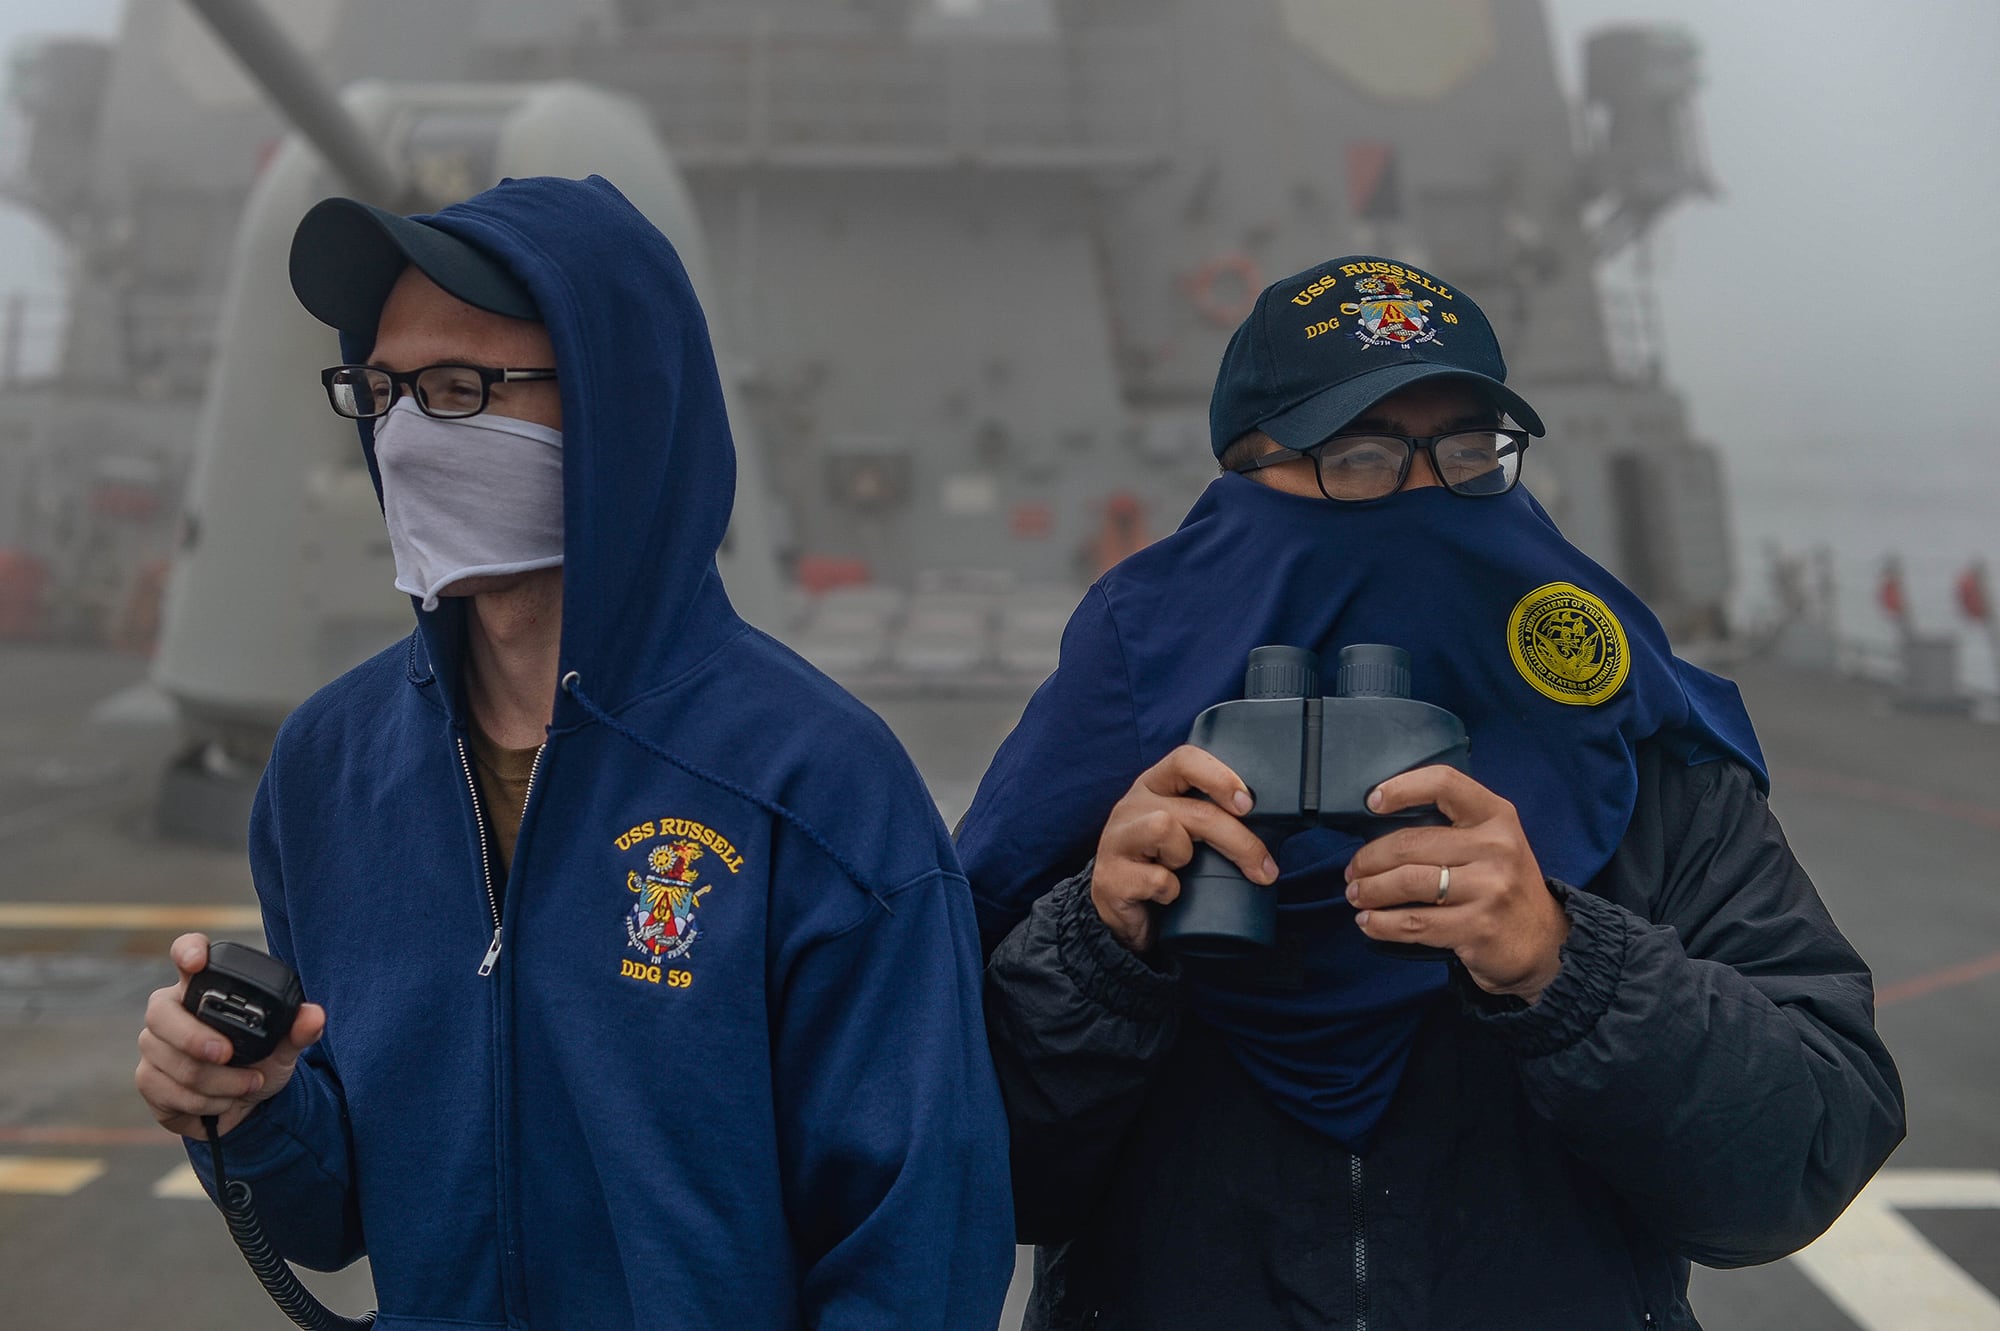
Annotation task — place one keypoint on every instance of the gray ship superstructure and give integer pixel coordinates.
(984, 263)
(972, 266)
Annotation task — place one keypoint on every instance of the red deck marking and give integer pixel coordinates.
(1875, 792)
(1948, 978)
(51, 1135)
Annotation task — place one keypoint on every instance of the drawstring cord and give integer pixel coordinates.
(572, 684)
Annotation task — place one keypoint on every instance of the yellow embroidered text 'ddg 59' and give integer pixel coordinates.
(1568, 644)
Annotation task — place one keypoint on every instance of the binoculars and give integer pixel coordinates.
(1308, 761)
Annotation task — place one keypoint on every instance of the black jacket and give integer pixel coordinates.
(1702, 1082)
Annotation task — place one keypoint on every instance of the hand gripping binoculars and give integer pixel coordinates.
(1308, 761)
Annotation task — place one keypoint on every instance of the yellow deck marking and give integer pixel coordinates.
(53, 915)
(180, 1183)
(49, 1178)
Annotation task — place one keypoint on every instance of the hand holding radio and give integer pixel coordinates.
(185, 1061)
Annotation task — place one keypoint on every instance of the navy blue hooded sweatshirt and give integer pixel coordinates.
(773, 1107)
(1165, 635)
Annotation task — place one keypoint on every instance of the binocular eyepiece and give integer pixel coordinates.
(1363, 670)
(1309, 761)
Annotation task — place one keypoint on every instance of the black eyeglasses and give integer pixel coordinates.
(447, 392)
(1358, 468)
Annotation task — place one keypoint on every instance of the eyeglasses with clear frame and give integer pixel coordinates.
(445, 392)
(1362, 468)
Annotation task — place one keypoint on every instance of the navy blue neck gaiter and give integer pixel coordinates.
(1557, 670)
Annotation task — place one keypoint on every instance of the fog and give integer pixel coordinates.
(1836, 288)
(1825, 315)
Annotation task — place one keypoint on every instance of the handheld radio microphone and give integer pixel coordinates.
(253, 999)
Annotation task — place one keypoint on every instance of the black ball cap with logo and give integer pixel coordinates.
(1321, 347)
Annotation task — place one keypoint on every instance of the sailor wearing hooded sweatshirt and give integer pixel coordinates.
(1591, 1085)
(645, 980)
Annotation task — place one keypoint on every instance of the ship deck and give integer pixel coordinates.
(1895, 813)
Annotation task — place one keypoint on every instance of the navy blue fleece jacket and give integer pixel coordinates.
(728, 1068)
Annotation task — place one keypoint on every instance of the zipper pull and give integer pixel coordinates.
(492, 953)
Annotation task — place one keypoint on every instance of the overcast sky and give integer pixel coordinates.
(1837, 290)
(1842, 277)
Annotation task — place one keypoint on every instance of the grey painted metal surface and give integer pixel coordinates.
(985, 269)
(285, 76)
(974, 262)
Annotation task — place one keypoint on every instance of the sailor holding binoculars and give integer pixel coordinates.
(1644, 1042)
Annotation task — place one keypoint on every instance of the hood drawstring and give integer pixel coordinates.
(419, 671)
(572, 684)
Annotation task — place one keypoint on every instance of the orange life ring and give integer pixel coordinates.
(1211, 305)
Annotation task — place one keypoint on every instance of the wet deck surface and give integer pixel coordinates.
(1897, 816)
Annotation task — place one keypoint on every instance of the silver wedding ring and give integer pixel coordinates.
(1444, 884)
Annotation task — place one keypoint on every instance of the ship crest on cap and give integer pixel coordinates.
(1389, 312)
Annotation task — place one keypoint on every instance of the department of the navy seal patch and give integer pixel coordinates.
(1568, 644)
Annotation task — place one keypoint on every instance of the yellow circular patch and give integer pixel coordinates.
(1568, 644)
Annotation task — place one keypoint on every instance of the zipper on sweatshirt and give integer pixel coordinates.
(513, 1283)
(487, 864)
(1357, 1201)
(492, 956)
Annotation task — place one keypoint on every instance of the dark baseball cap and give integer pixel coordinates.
(346, 255)
(1322, 347)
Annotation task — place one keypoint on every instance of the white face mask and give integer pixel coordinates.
(470, 497)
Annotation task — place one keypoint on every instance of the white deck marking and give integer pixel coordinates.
(46, 1177)
(1886, 1275)
(180, 1182)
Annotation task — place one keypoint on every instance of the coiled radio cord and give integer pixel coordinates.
(271, 1270)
